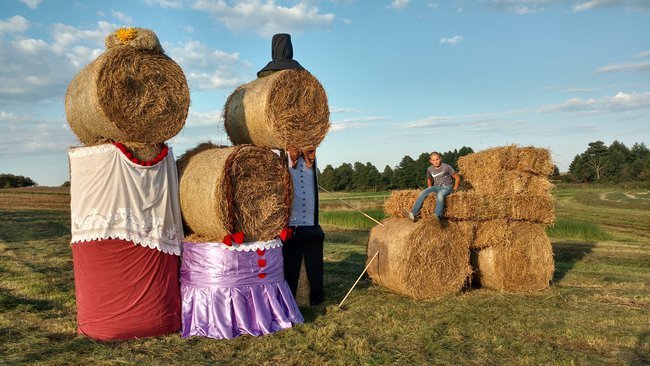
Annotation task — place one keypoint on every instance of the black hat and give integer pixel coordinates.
(282, 53)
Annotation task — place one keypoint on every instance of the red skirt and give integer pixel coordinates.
(125, 290)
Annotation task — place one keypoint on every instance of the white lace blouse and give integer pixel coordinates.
(113, 198)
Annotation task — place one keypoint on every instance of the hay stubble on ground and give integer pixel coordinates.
(595, 312)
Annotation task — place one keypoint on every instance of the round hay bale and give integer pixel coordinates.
(492, 233)
(128, 95)
(285, 108)
(525, 264)
(424, 260)
(224, 190)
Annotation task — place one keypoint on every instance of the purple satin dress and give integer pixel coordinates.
(227, 293)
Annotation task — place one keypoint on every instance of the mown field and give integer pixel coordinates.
(597, 311)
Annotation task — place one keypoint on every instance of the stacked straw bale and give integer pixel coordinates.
(512, 253)
(224, 190)
(503, 213)
(285, 108)
(422, 260)
(132, 93)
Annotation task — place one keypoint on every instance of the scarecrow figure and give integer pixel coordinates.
(286, 109)
(235, 204)
(305, 247)
(125, 212)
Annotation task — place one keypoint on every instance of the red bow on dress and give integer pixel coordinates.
(237, 237)
(308, 154)
(286, 233)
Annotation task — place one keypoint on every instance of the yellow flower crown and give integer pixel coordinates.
(126, 34)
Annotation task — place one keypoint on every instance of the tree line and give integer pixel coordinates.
(14, 181)
(613, 163)
(409, 173)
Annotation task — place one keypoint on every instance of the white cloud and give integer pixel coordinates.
(621, 102)
(344, 110)
(35, 70)
(524, 7)
(15, 24)
(207, 68)
(167, 4)
(354, 123)
(637, 67)
(265, 18)
(122, 17)
(32, 4)
(201, 119)
(516, 121)
(25, 134)
(452, 41)
(399, 4)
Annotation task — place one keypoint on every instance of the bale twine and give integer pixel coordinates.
(286, 108)
(423, 261)
(474, 206)
(131, 93)
(510, 182)
(507, 158)
(522, 264)
(224, 190)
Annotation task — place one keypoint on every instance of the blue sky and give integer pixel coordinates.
(402, 77)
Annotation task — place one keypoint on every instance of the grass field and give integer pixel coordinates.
(597, 311)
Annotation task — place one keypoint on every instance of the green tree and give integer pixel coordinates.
(15, 181)
(344, 175)
(597, 159)
(327, 178)
(387, 177)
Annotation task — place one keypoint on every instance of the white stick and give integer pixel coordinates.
(363, 213)
(357, 281)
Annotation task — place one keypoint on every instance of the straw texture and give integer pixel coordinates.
(423, 261)
(128, 95)
(524, 263)
(285, 108)
(224, 190)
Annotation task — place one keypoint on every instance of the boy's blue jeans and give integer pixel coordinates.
(441, 193)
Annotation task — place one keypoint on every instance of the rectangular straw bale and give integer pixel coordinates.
(509, 182)
(507, 158)
(474, 206)
(540, 209)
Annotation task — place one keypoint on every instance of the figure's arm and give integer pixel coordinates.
(456, 177)
(429, 181)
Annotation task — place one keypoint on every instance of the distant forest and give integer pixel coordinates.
(615, 163)
(599, 163)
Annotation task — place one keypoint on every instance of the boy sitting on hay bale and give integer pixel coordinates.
(441, 179)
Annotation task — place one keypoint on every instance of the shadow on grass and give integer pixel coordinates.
(21, 226)
(9, 301)
(339, 276)
(567, 254)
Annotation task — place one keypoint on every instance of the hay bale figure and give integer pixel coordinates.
(422, 261)
(224, 190)
(131, 93)
(524, 263)
(235, 203)
(126, 224)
